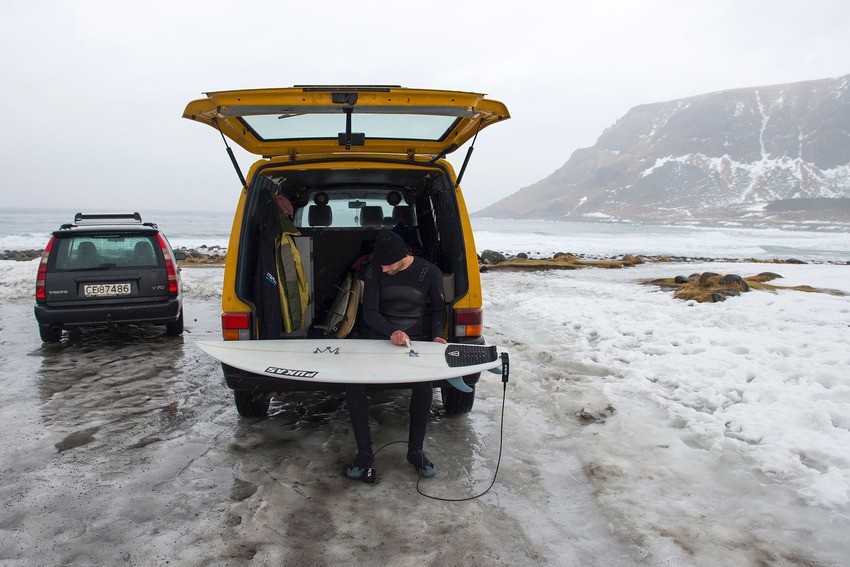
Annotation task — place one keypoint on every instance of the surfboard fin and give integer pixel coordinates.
(459, 384)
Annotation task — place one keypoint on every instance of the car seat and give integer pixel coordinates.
(87, 255)
(320, 215)
(371, 217)
(143, 254)
(404, 214)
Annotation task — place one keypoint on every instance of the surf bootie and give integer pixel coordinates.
(424, 467)
(361, 468)
(355, 473)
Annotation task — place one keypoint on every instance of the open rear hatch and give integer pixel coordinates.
(303, 120)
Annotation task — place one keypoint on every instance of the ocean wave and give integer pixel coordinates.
(203, 282)
(17, 279)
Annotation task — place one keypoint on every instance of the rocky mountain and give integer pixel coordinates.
(775, 153)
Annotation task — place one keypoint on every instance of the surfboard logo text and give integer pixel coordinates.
(290, 372)
(413, 354)
(328, 350)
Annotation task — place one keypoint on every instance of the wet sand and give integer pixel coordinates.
(123, 447)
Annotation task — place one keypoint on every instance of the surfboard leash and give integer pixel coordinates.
(505, 377)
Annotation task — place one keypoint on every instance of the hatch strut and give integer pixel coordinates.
(230, 153)
(468, 154)
(349, 138)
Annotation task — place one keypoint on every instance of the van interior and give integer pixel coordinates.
(338, 214)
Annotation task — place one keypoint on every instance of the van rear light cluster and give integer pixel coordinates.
(41, 278)
(468, 322)
(235, 326)
(169, 266)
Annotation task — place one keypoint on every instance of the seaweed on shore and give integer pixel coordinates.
(709, 287)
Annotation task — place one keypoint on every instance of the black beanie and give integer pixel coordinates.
(389, 248)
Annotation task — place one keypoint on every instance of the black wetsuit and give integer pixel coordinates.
(392, 303)
(399, 302)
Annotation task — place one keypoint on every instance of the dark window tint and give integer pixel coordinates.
(102, 251)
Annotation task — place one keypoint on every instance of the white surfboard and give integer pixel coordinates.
(354, 361)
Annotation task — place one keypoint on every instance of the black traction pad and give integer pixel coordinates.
(470, 355)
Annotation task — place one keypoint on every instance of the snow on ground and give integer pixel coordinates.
(722, 429)
(639, 429)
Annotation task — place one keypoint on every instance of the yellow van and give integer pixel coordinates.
(337, 165)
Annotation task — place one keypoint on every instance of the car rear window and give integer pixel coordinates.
(106, 251)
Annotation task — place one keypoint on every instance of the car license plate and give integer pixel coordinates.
(106, 290)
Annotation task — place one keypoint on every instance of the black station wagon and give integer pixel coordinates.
(105, 270)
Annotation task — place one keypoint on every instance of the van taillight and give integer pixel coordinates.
(469, 322)
(235, 326)
(169, 266)
(41, 278)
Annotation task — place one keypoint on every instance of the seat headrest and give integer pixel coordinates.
(372, 217)
(87, 255)
(404, 214)
(143, 253)
(320, 215)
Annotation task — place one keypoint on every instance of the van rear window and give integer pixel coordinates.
(106, 251)
(327, 126)
(355, 213)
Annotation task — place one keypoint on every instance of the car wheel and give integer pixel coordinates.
(456, 402)
(49, 335)
(176, 328)
(247, 406)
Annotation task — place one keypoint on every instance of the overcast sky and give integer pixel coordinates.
(93, 91)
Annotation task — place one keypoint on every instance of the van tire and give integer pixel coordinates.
(247, 406)
(49, 335)
(175, 329)
(456, 402)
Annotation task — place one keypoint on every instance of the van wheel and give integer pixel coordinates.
(176, 328)
(49, 335)
(247, 406)
(456, 402)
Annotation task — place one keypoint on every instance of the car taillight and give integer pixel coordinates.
(169, 266)
(41, 278)
(235, 326)
(468, 322)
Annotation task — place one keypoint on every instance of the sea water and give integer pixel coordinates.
(29, 229)
(606, 239)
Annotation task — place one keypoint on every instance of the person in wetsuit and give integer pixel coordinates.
(397, 290)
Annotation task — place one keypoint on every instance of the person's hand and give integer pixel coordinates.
(440, 340)
(399, 338)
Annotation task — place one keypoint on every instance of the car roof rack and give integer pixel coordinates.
(107, 218)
